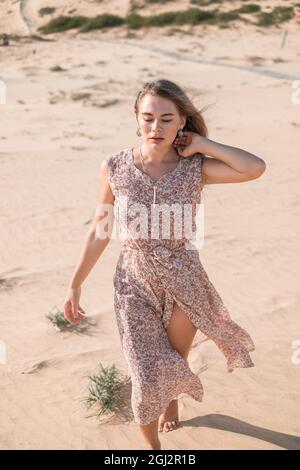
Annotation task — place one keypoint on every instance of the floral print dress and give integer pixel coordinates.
(154, 272)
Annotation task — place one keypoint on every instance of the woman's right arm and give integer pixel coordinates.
(94, 245)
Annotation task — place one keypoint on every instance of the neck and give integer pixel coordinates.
(159, 155)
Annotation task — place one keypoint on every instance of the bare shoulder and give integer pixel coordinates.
(215, 171)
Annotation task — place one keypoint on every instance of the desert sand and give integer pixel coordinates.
(56, 127)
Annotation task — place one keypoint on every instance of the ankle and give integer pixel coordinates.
(153, 445)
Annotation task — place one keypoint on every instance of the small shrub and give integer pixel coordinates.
(46, 11)
(60, 323)
(63, 23)
(250, 8)
(276, 16)
(101, 22)
(109, 391)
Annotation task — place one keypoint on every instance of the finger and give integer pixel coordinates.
(70, 319)
(75, 315)
(68, 311)
(81, 311)
(74, 321)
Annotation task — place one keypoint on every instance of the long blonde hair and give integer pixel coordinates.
(168, 89)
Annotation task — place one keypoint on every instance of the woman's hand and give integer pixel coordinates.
(72, 310)
(189, 144)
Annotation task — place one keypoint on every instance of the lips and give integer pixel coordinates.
(156, 138)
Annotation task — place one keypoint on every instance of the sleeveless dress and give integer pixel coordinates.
(154, 272)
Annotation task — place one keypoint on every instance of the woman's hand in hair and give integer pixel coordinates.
(188, 144)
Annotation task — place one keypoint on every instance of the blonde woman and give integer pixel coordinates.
(162, 294)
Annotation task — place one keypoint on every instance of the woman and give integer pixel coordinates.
(162, 294)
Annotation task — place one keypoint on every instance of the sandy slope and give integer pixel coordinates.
(51, 146)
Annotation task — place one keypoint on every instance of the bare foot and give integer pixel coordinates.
(168, 421)
(156, 446)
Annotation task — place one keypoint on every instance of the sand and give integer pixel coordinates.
(56, 127)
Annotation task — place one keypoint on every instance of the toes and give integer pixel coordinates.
(169, 426)
(173, 425)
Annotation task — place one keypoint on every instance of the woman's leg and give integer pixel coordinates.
(150, 434)
(181, 332)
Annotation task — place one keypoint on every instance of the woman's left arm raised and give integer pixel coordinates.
(229, 164)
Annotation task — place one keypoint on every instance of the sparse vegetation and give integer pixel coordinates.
(57, 68)
(59, 322)
(5, 284)
(28, 39)
(108, 390)
(157, 1)
(63, 23)
(227, 16)
(257, 61)
(204, 3)
(36, 37)
(102, 22)
(250, 8)
(46, 11)
(279, 60)
(276, 16)
(191, 16)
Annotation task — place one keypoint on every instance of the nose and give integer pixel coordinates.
(155, 125)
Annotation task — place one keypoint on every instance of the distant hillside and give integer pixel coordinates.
(27, 16)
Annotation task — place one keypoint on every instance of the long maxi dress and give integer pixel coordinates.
(152, 273)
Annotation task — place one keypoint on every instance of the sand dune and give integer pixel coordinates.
(70, 103)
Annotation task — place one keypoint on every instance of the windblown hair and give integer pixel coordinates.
(172, 91)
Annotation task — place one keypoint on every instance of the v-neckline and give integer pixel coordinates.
(149, 176)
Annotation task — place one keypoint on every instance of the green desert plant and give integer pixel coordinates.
(59, 322)
(101, 22)
(63, 23)
(157, 1)
(109, 391)
(135, 21)
(204, 3)
(250, 8)
(191, 16)
(276, 16)
(46, 11)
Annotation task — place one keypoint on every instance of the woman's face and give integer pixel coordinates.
(158, 117)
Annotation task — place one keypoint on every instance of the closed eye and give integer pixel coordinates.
(149, 120)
